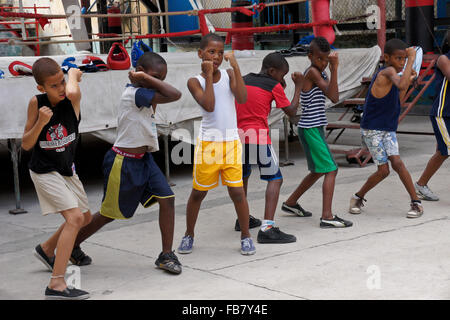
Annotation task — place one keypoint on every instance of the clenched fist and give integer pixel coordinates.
(45, 114)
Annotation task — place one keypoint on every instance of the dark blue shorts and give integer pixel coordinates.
(130, 181)
(266, 159)
(441, 127)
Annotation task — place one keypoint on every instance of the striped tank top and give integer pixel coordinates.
(313, 108)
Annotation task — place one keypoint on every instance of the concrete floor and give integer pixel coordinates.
(383, 256)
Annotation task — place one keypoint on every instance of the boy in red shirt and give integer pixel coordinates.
(262, 89)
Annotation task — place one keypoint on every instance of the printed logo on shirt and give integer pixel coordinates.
(57, 138)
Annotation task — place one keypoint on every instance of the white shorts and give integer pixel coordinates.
(58, 193)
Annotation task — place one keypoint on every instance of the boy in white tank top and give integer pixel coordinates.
(218, 151)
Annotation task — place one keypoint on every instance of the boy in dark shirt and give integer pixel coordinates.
(380, 120)
(51, 131)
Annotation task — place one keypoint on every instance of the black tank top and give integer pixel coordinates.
(55, 148)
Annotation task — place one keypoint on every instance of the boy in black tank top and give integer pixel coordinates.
(51, 132)
(379, 123)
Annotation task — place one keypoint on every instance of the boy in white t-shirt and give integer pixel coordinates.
(131, 176)
(219, 150)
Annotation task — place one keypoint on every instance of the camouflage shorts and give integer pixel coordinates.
(381, 144)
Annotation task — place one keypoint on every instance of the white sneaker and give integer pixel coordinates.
(356, 205)
(416, 210)
(424, 193)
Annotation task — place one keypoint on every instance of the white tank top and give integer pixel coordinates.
(221, 124)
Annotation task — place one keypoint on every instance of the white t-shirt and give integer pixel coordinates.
(136, 124)
(221, 124)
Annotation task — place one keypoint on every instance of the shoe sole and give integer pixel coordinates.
(410, 216)
(334, 227)
(422, 197)
(294, 211)
(83, 297)
(38, 256)
(184, 251)
(74, 262)
(354, 212)
(161, 266)
(247, 253)
(276, 241)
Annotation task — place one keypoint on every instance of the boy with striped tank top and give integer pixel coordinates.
(379, 123)
(311, 132)
(218, 152)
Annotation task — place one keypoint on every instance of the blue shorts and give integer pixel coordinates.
(265, 157)
(442, 134)
(129, 181)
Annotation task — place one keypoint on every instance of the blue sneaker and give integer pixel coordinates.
(186, 245)
(247, 247)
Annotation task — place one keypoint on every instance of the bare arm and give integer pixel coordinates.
(237, 84)
(205, 98)
(329, 88)
(443, 63)
(164, 92)
(73, 92)
(36, 120)
(298, 78)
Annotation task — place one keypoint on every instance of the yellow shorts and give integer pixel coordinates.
(212, 159)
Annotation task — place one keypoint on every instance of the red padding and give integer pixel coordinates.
(118, 58)
(15, 72)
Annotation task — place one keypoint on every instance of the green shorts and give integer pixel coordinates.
(318, 155)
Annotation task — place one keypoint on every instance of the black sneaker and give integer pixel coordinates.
(79, 258)
(253, 223)
(297, 209)
(336, 222)
(68, 293)
(275, 235)
(168, 262)
(40, 254)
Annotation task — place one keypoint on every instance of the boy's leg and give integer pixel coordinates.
(239, 199)
(381, 144)
(329, 220)
(374, 179)
(74, 221)
(192, 210)
(304, 186)
(167, 259)
(416, 206)
(327, 194)
(433, 165)
(97, 222)
(167, 222)
(405, 177)
(441, 132)
(272, 195)
(49, 246)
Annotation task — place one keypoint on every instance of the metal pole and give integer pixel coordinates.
(15, 161)
(167, 159)
(286, 162)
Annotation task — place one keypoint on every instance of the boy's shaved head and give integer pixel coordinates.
(394, 44)
(319, 43)
(44, 68)
(150, 60)
(209, 37)
(275, 60)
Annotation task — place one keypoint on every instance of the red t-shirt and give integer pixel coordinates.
(252, 115)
